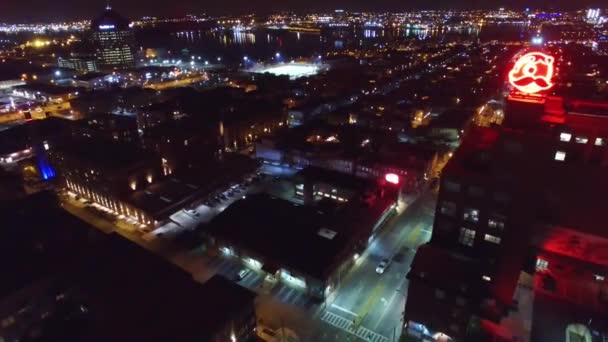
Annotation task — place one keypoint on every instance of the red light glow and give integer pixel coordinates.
(392, 178)
(532, 73)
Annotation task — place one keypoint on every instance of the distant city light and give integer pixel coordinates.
(293, 70)
(392, 178)
(537, 40)
(106, 27)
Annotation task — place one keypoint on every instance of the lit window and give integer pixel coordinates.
(467, 237)
(471, 215)
(565, 137)
(600, 142)
(560, 155)
(447, 208)
(581, 140)
(496, 222)
(486, 278)
(541, 264)
(492, 238)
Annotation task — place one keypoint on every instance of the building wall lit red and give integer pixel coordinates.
(522, 201)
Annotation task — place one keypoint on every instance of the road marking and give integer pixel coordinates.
(371, 300)
(348, 326)
(344, 309)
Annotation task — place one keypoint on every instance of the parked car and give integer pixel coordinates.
(242, 274)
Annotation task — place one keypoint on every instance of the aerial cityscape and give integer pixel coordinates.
(292, 175)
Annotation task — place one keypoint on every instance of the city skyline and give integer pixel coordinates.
(319, 175)
(41, 10)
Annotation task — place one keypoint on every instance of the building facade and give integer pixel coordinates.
(518, 208)
(114, 41)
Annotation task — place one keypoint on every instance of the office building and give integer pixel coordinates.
(114, 41)
(79, 64)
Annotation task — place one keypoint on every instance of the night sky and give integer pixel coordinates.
(56, 10)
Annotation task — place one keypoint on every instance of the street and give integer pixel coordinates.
(368, 306)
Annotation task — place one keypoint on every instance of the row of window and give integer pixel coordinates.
(496, 221)
(467, 237)
(581, 139)
(542, 265)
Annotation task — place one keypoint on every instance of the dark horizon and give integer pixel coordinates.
(47, 11)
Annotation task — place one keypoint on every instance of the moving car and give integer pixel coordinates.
(382, 266)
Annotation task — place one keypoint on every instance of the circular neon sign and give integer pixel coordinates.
(532, 73)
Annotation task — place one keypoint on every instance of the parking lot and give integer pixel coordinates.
(188, 219)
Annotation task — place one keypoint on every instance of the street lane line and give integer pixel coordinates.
(372, 300)
(335, 306)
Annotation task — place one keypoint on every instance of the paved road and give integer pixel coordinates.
(370, 305)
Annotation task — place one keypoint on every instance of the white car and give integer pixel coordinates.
(382, 266)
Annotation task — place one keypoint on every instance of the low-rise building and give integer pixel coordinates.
(112, 290)
(309, 246)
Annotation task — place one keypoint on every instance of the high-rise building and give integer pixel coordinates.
(113, 40)
(520, 210)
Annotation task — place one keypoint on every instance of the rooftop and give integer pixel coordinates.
(156, 302)
(104, 153)
(285, 232)
(110, 20)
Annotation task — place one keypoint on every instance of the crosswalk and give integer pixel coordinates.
(348, 326)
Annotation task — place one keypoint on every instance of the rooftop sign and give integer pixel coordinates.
(532, 73)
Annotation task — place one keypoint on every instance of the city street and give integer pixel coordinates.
(370, 305)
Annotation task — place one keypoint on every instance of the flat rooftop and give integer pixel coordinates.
(338, 179)
(104, 153)
(157, 301)
(311, 240)
(285, 232)
(163, 198)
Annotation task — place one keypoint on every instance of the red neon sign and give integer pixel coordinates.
(532, 73)
(392, 178)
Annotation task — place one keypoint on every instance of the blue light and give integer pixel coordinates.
(46, 171)
(106, 27)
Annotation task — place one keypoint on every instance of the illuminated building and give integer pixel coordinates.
(114, 40)
(313, 245)
(79, 64)
(107, 173)
(521, 206)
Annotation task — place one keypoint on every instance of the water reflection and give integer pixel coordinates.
(264, 43)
